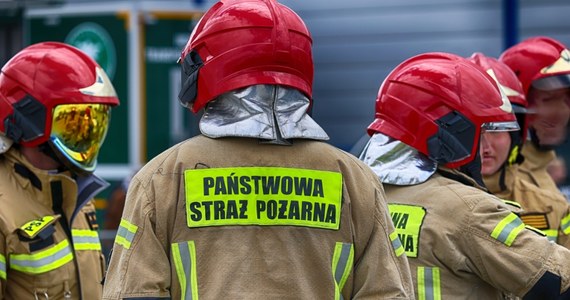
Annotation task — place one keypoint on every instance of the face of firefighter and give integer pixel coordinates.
(495, 148)
(39, 159)
(551, 113)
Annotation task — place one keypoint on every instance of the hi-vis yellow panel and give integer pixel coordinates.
(408, 221)
(32, 228)
(263, 196)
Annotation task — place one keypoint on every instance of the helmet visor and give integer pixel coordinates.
(500, 126)
(554, 82)
(78, 131)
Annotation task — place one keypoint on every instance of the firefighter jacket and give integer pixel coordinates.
(234, 218)
(463, 243)
(41, 255)
(533, 168)
(542, 208)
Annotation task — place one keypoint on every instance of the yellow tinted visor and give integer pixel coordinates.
(78, 131)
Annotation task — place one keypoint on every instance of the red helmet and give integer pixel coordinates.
(240, 43)
(505, 77)
(539, 61)
(432, 102)
(55, 92)
(509, 84)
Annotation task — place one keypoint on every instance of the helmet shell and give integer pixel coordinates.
(432, 102)
(509, 84)
(533, 59)
(504, 76)
(247, 42)
(39, 78)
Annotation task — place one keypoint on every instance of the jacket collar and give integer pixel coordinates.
(75, 191)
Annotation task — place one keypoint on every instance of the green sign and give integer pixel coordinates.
(94, 40)
(167, 121)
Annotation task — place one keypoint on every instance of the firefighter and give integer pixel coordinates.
(542, 65)
(257, 206)
(55, 105)
(461, 242)
(544, 209)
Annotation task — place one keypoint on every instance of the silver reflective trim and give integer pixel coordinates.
(342, 265)
(42, 262)
(395, 162)
(501, 126)
(428, 284)
(2, 267)
(342, 261)
(126, 234)
(85, 240)
(397, 244)
(187, 268)
(504, 235)
(269, 112)
(552, 82)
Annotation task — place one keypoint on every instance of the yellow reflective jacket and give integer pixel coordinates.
(233, 218)
(543, 208)
(40, 257)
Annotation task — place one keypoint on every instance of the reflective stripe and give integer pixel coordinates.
(126, 233)
(513, 203)
(551, 234)
(42, 261)
(508, 229)
(396, 244)
(2, 267)
(565, 224)
(342, 266)
(429, 284)
(85, 239)
(184, 255)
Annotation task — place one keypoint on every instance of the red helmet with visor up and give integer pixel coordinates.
(239, 43)
(541, 62)
(56, 93)
(433, 103)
